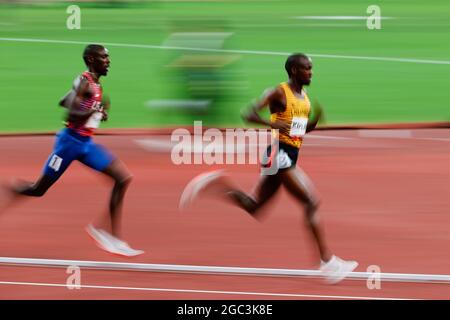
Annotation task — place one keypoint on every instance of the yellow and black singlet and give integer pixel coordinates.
(296, 115)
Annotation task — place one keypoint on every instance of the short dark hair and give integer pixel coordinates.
(91, 50)
(293, 60)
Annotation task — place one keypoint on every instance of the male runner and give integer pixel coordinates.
(86, 108)
(290, 118)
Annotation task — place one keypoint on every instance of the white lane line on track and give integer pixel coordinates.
(164, 146)
(435, 139)
(257, 52)
(316, 136)
(147, 267)
(385, 133)
(246, 293)
(155, 144)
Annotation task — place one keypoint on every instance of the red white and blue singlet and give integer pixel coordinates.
(75, 141)
(87, 127)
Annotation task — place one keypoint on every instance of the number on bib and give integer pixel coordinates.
(94, 120)
(298, 127)
(55, 162)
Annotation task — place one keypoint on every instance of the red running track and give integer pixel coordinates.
(384, 202)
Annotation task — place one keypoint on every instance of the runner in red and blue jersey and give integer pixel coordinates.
(86, 108)
(94, 102)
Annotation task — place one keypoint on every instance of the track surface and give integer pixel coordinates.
(384, 202)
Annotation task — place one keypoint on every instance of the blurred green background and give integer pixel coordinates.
(238, 50)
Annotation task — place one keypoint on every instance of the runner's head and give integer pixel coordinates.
(96, 58)
(299, 68)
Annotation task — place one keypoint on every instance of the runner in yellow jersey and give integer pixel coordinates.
(290, 120)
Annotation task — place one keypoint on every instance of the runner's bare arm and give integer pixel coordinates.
(81, 92)
(316, 116)
(106, 103)
(67, 99)
(275, 100)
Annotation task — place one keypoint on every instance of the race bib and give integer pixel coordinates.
(94, 120)
(298, 127)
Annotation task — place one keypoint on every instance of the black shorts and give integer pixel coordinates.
(279, 157)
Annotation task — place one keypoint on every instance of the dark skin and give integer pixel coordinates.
(295, 181)
(276, 100)
(98, 65)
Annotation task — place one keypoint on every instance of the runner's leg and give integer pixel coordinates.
(65, 151)
(100, 159)
(299, 185)
(264, 191)
(122, 178)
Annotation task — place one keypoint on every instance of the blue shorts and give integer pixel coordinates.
(71, 146)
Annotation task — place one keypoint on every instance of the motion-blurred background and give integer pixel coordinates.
(174, 62)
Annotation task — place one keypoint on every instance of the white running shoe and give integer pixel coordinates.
(100, 239)
(336, 269)
(122, 247)
(196, 185)
(110, 243)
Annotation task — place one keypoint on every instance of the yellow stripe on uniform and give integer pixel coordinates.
(297, 109)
